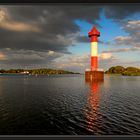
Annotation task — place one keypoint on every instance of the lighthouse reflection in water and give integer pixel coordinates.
(92, 112)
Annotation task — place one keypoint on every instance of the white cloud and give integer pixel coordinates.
(51, 52)
(2, 15)
(72, 62)
(131, 42)
(105, 56)
(115, 50)
(122, 38)
(133, 25)
(2, 56)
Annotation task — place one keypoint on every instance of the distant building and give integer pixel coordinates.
(25, 72)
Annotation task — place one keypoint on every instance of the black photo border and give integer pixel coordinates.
(68, 137)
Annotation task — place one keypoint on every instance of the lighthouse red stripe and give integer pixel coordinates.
(94, 39)
(94, 62)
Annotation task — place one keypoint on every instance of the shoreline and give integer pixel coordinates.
(119, 74)
(38, 74)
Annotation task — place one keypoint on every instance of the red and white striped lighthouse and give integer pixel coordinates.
(94, 34)
(94, 74)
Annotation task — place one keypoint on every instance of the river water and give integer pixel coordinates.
(68, 105)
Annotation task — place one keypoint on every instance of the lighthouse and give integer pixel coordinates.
(94, 34)
(94, 73)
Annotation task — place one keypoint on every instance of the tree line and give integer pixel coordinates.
(128, 71)
(36, 71)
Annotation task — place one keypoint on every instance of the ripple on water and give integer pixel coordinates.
(68, 105)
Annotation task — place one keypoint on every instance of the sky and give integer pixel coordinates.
(56, 36)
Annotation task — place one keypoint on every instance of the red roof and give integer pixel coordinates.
(94, 32)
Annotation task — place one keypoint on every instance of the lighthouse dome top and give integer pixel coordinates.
(94, 32)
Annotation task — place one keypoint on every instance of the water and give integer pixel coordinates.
(67, 105)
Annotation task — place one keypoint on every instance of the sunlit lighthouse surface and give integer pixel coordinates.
(94, 73)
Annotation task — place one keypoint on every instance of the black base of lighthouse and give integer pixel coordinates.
(94, 75)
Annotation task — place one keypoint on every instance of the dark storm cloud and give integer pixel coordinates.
(121, 11)
(83, 39)
(28, 57)
(58, 29)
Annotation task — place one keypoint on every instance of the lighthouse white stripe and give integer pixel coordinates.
(94, 48)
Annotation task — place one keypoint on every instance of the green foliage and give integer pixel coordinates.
(129, 71)
(115, 70)
(37, 71)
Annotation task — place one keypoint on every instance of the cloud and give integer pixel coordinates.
(41, 29)
(2, 15)
(131, 41)
(119, 12)
(42, 34)
(51, 53)
(72, 62)
(132, 26)
(82, 62)
(84, 39)
(122, 39)
(27, 57)
(7, 23)
(113, 61)
(19, 27)
(115, 50)
(2, 56)
(57, 24)
(105, 56)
